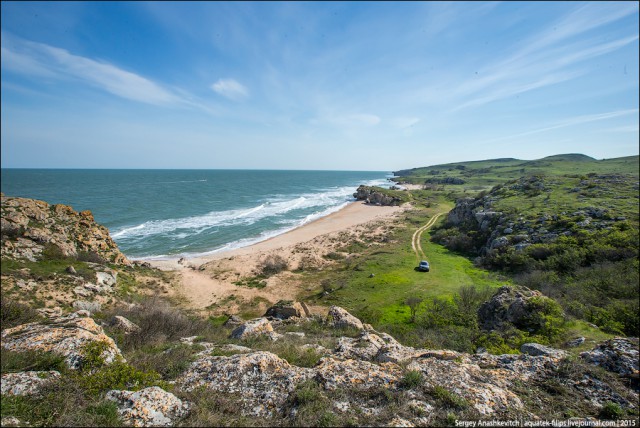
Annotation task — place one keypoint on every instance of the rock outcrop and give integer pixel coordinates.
(515, 305)
(340, 318)
(66, 336)
(26, 383)
(30, 228)
(374, 196)
(149, 407)
(261, 379)
(619, 355)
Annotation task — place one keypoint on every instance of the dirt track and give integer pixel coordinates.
(417, 235)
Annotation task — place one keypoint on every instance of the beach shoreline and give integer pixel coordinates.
(353, 214)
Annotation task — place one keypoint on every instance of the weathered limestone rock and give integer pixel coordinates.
(285, 309)
(333, 374)
(536, 349)
(340, 318)
(262, 380)
(149, 407)
(233, 320)
(486, 391)
(124, 325)
(30, 225)
(26, 383)
(400, 422)
(65, 336)
(256, 327)
(619, 355)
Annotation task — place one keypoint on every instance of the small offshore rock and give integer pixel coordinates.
(149, 407)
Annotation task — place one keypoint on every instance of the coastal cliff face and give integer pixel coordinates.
(151, 365)
(31, 227)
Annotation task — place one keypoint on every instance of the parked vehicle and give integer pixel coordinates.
(423, 266)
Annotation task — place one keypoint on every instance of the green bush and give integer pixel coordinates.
(611, 411)
(449, 399)
(117, 375)
(412, 379)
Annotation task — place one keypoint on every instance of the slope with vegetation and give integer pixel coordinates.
(534, 274)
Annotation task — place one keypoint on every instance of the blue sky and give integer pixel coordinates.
(328, 85)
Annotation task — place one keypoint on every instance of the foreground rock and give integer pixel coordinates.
(149, 407)
(30, 228)
(122, 324)
(66, 336)
(26, 383)
(262, 380)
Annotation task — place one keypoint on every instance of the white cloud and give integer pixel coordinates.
(231, 89)
(43, 60)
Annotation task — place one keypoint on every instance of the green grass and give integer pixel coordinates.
(380, 299)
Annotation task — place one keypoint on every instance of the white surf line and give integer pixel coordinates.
(417, 235)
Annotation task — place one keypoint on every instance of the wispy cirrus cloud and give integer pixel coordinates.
(552, 53)
(572, 121)
(39, 59)
(231, 89)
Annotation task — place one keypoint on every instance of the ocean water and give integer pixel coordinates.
(157, 214)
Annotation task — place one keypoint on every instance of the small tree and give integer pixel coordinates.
(413, 302)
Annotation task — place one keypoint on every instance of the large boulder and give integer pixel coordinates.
(285, 309)
(518, 306)
(256, 327)
(262, 380)
(26, 383)
(536, 349)
(340, 318)
(149, 407)
(66, 336)
(122, 324)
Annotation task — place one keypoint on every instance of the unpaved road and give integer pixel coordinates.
(417, 235)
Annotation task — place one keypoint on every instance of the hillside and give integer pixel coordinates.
(527, 314)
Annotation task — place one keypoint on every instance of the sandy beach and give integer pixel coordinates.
(209, 280)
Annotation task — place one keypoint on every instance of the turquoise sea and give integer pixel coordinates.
(155, 214)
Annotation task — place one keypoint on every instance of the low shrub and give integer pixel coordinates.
(273, 264)
(13, 313)
(412, 379)
(611, 411)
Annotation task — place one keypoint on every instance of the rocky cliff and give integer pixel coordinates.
(30, 228)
